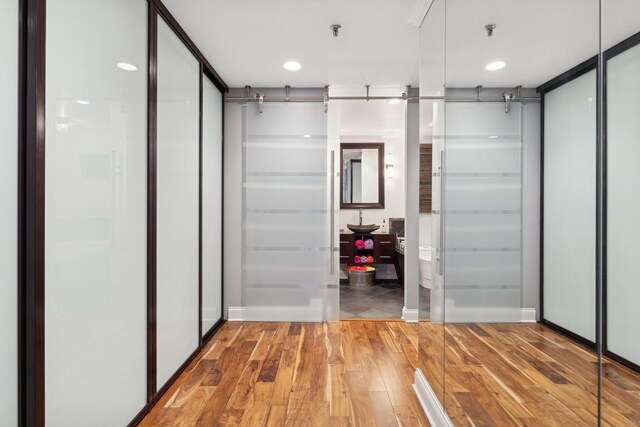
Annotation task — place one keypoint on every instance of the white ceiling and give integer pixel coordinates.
(247, 41)
(538, 39)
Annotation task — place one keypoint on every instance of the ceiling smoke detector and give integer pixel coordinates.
(489, 29)
(335, 28)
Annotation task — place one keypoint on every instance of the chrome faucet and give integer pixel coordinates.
(360, 216)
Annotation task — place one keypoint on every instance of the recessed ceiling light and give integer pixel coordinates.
(292, 66)
(493, 66)
(82, 102)
(393, 101)
(125, 66)
(306, 136)
(493, 136)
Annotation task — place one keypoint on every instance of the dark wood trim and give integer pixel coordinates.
(541, 266)
(381, 175)
(577, 71)
(216, 325)
(152, 135)
(186, 363)
(211, 332)
(31, 214)
(425, 189)
(587, 343)
(621, 360)
(177, 28)
(140, 415)
(200, 171)
(621, 47)
(222, 316)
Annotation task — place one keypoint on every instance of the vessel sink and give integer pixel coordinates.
(364, 228)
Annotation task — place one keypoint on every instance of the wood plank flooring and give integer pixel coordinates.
(348, 373)
(523, 375)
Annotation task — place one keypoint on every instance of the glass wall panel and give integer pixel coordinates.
(8, 211)
(286, 235)
(96, 216)
(431, 271)
(178, 202)
(482, 200)
(570, 206)
(211, 205)
(621, 317)
(500, 367)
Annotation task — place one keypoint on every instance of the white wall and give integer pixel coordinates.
(232, 276)
(211, 204)
(412, 207)
(531, 206)
(372, 121)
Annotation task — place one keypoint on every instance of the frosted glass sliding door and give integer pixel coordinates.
(211, 205)
(96, 216)
(623, 205)
(286, 218)
(569, 206)
(482, 214)
(8, 212)
(178, 205)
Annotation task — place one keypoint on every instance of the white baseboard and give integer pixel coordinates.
(410, 315)
(528, 315)
(236, 314)
(463, 314)
(429, 402)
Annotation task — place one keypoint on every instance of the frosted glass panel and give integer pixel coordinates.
(286, 236)
(178, 202)
(623, 210)
(8, 211)
(482, 218)
(569, 205)
(211, 205)
(96, 216)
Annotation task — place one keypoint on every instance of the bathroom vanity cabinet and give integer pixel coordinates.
(383, 247)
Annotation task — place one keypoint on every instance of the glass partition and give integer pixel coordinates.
(9, 212)
(211, 205)
(482, 210)
(431, 271)
(178, 206)
(501, 369)
(286, 257)
(495, 249)
(96, 216)
(621, 291)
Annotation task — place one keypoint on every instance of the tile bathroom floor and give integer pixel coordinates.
(384, 300)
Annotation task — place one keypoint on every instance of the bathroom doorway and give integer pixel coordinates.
(369, 138)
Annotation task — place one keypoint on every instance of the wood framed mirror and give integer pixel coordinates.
(362, 175)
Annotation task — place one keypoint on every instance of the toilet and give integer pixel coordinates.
(425, 266)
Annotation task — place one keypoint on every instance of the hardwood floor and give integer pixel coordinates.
(523, 374)
(351, 373)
